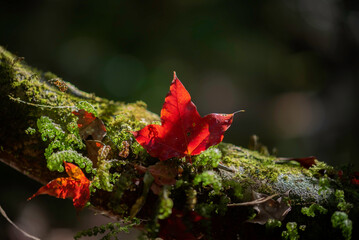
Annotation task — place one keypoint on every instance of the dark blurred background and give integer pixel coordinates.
(291, 64)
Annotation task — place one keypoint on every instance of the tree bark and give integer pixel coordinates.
(26, 94)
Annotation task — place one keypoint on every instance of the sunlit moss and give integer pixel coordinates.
(104, 179)
(61, 140)
(208, 159)
(58, 158)
(209, 178)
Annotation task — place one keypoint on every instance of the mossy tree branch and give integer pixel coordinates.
(27, 94)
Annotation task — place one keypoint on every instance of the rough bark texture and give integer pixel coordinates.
(26, 94)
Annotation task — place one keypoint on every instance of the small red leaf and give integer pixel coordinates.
(355, 179)
(76, 186)
(183, 132)
(306, 162)
(89, 125)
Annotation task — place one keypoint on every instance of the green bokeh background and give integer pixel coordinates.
(291, 64)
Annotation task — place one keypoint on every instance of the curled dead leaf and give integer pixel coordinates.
(90, 126)
(270, 209)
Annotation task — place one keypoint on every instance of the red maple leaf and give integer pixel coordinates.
(76, 186)
(183, 132)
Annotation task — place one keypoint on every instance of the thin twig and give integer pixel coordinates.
(221, 166)
(254, 202)
(38, 105)
(18, 228)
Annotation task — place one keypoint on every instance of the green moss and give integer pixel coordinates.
(272, 223)
(58, 158)
(209, 178)
(310, 211)
(165, 205)
(236, 189)
(342, 204)
(206, 209)
(62, 141)
(30, 131)
(319, 167)
(254, 165)
(104, 179)
(324, 186)
(302, 227)
(112, 229)
(87, 107)
(341, 220)
(208, 159)
(121, 128)
(292, 232)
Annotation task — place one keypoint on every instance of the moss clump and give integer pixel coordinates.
(310, 211)
(87, 107)
(61, 140)
(30, 131)
(165, 205)
(209, 178)
(58, 158)
(342, 204)
(121, 127)
(254, 165)
(208, 159)
(292, 231)
(235, 189)
(272, 223)
(112, 229)
(104, 179)
(341, 220)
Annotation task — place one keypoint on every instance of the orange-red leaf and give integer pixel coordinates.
(76, 186)
(89, 125)
(183, 132)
